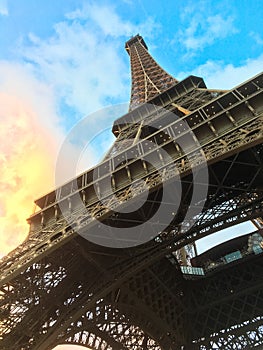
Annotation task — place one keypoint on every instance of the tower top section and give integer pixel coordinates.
(134, 40)
(148, 78)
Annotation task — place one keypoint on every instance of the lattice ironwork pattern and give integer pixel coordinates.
(59, 288)
(148, 78)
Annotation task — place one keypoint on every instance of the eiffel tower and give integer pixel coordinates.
(58, 287)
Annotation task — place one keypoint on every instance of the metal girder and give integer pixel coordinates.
(150, 256)
(148, 78)
(244, 134)
(226, 308)
(138, 298)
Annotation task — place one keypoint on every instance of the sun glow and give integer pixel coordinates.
(27, 162)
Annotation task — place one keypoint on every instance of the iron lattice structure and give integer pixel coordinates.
(148, 78)
(59, 288)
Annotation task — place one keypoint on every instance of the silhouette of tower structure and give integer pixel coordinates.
(59, 288)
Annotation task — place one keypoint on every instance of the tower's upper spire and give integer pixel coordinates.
(148, 78)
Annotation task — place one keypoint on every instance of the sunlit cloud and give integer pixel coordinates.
(29, 143)
(26, 166)
(75, 71)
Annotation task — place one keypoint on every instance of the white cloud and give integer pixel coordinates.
(82, 59)
(202, 28)
(79, 69)
(205, 31)
(110, 23)
(30, 139)
(256, 37)
(18, 80)
(85, 63)
(219, 75)
(3, 8)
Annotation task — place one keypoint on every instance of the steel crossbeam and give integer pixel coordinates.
(138, 298)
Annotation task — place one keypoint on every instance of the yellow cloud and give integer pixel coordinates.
(26, 162)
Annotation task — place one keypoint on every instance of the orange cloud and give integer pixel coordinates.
(27, 152)
(29, 144)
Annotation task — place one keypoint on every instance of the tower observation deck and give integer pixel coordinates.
(109, 262)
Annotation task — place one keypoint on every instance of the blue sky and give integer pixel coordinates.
(76, 47)
(62, 60)
(74, 50)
